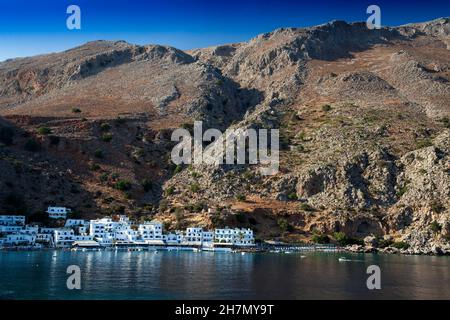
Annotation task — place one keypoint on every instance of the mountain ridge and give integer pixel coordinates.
(363, 118)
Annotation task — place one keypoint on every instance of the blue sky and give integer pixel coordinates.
(30, 27)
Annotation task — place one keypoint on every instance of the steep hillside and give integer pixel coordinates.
(363, 115)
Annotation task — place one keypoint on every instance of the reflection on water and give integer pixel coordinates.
(206, 275)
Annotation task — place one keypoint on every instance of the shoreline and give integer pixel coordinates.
(277, 250)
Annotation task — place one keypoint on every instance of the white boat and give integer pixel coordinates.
(342, 259)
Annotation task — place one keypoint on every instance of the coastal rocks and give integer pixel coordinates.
(370, 241)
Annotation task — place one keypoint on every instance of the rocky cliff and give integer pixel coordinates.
(363, 117)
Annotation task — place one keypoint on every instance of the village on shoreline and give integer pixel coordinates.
(121, 233)
(117, 232)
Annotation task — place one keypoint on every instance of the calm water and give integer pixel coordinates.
(188, 275)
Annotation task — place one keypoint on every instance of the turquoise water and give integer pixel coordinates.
(206, 275)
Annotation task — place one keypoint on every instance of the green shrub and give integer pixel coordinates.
(423, 143)
(341, 238)
(320, 238)
(402, 191)
(284, 225)
(169, 191)
(103, 177)
(76, 110)
(306, 207)
(177, 169)
(240, 197)
(107, 137)
(44, 130)
(94, 167)
(326, 108)
(198, 207)
(195, 187)
(292, 196)
(400, 245)
(446, 122)
(105, 126)
(437, 207)
(196, 174)
(435, 227)
(382, 243)
(123, 185)
(32, 145)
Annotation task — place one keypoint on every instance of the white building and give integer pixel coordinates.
(12, 220)
(75, 223)
(10, 229)
(45, 238)
(193, 237)
(175, 238)
(236, 237)
(30, 230)
(64, 238)
(108, 232)
(58, 212)
(79, 225)
(208, 237)
(151, 231)
(19, 240)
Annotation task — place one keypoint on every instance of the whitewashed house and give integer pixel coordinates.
(30, 230)
(151, 232)
(79, 225)
(45, 238)
(236, 237)
(243, 237)
(12, 220)
(20, 239)
(58, 212)
(108, 232)
(193, 236)
(64, 238)
(10, 229)
(172, 239)
(208, 238)
(224, 236)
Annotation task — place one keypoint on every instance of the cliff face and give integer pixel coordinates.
(363, 116)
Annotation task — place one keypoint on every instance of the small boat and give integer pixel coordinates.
(242, 253)
(342, 259)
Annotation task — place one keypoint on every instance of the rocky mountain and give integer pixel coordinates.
(363, 117)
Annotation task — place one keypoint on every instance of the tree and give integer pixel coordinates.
(341, 238)
(123, 185)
